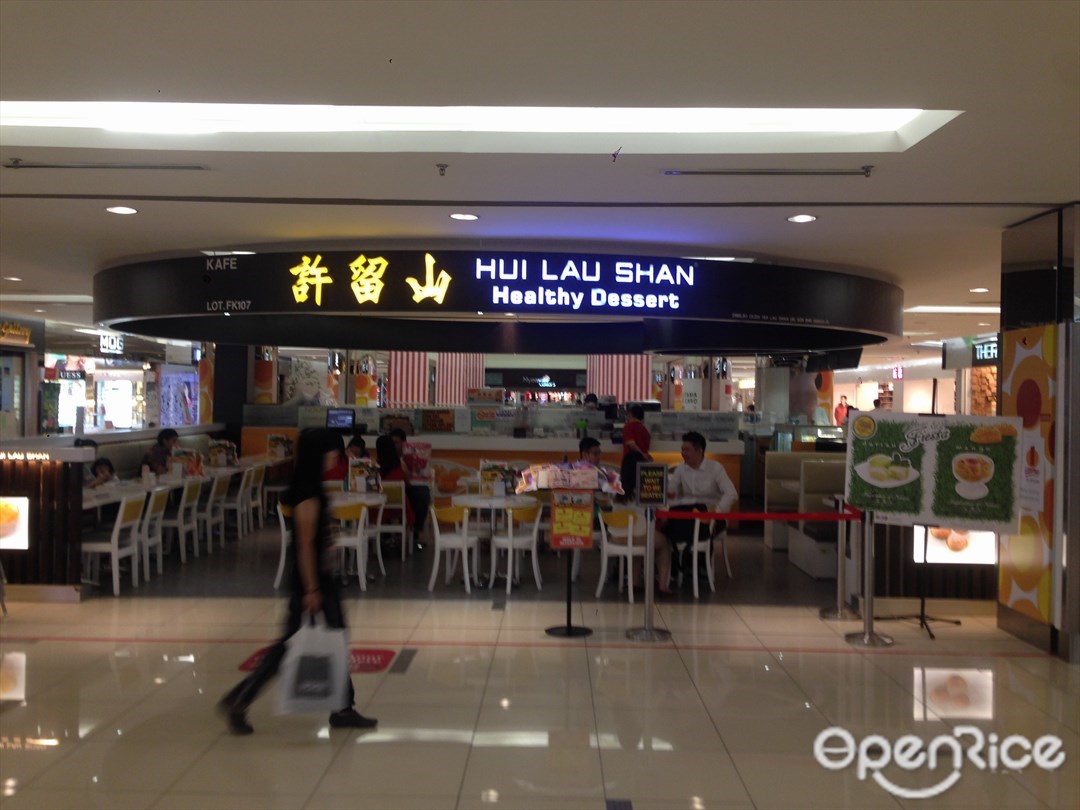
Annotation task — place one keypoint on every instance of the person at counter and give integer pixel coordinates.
(418, 495)
(635, 436)
(699, 484)
(159, 457)
(840, 412)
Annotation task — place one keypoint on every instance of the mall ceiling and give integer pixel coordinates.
(928, 218)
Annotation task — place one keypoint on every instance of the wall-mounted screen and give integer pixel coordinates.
(340, 418)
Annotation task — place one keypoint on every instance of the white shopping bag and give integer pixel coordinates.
(314, 669)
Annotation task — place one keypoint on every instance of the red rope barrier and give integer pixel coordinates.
(850, 513)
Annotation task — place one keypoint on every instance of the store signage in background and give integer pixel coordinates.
(962, 472)
(111, 344)
(485, 396)
(691, 394)
(530, 378)
(985, 353)
(571, 519)
(898, 372)
(373, 281)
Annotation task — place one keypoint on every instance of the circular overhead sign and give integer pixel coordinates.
(496, 301)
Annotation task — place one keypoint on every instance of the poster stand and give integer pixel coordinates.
(569, 630)
(868, 638)
(921, 617)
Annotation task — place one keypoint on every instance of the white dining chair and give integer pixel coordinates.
(211, 513)
(395, 514)
(119, 543)
(286, 540)
(254, 510)
(702, 545)
(355, 537)
(182, 521)
(521, 536)
(453, 542)
(626, 525)
(236, 502)
(150, 531)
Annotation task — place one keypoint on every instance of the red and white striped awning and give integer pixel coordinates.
(624, 376)
(455, 374)
(407, 379)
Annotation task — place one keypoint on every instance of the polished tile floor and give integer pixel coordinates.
(479, 708)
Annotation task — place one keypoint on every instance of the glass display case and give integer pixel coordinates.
(821, 438)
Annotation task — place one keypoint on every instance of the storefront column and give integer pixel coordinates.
(1038, 596)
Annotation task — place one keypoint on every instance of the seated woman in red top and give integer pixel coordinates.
(390, 469)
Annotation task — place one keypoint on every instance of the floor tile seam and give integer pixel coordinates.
(712, 720)
(596, 722)
(208, 744)
(591, 643)
(476, 726)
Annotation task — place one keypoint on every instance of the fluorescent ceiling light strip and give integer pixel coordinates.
(960, 310)
(185, 118)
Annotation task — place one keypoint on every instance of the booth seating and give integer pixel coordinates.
(127, 456)
(812, 546)
(783, 476)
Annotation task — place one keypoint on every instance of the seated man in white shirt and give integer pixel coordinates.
(698, 484)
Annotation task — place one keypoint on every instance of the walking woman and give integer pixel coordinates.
(313, 586)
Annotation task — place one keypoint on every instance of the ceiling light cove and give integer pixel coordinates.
(802, 219)
(464, 217)
(960, 310)
(538, 130)
(122, 209)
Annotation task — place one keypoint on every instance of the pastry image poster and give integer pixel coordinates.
(958, 471)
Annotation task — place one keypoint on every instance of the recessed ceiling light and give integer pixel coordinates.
(983, 323)
(227, 252)
(802, 218)
(40, 310)
(719, 259)
(12, 278)
(479, 312)
(121, 209)
(979, 290)
(464, 217)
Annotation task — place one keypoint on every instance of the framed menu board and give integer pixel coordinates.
(958, 471)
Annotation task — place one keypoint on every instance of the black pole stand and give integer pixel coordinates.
(921, 617)
(570, 630)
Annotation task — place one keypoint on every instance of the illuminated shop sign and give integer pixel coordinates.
(985, 354)
(505, 283)
(111, 344)
(678, 299)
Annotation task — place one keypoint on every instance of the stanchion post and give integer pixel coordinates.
(868, 638)
(841, 611)
(648, 632)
